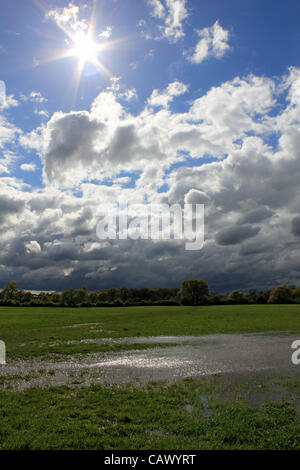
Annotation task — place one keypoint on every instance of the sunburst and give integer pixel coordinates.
(82, 44)
(84, 48)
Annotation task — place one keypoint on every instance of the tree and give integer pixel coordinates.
(124, 294)
(68, 297)
(194, 291)
(93, 297)
(10, 292)
(237, 297)
(112, 294)
(296, 295)
(281, 295)
(81, 295)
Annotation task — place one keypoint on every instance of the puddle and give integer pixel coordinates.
(193, 356)
(148, 340)
(79, 325)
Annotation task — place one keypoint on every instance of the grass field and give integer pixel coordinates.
(153, 417)
(30, 332)
(194, 413)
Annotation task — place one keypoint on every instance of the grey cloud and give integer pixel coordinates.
(123, 144)
(10, 205)
(40, 203)
(256, 248)
(71, 142)
(296, 226)
(256, 216)
(237, 234)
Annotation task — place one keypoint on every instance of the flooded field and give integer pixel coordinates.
(185, 356)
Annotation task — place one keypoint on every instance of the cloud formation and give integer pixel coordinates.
(213, 43)
(171, 15)
(250, 189)
(67, 17)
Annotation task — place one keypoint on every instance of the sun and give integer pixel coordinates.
(84, 47)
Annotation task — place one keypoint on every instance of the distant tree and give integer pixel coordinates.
(112, 294)
(25, 297)
(10, 292)
(263, 297)
(93, 297)
(55, 297)
(103, 295)
(252, 296)
(68, 297)
(237, 297)
(124, 294)
(194, 291)
(281, 295)
(81, 295)
(216, 299)
(296, 295)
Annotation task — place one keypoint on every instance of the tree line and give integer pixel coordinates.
(192, 292)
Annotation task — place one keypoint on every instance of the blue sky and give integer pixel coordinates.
(153, 100)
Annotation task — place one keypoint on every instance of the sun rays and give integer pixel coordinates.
(81, 42)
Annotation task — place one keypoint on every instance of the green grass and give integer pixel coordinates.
(151, 417)
(30, 332)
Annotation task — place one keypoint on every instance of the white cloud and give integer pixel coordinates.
(7, 160)
(32, 247)
(34, 97)
(158, 9)
(38, 100)
(9, 102)
(101, 142)
(33, 140)
(177, 13)
(106, 108)
(28, 166)
(106, 34)
(41, 112)
(172, 14)
(213, 43)
(67, 17)
(120, 91)
(163, 98)
(8, 132)
(129, 95)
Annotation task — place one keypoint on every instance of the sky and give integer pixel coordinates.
(149, 102)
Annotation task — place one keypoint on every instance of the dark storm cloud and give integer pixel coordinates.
(237, 234)
(257, 215)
